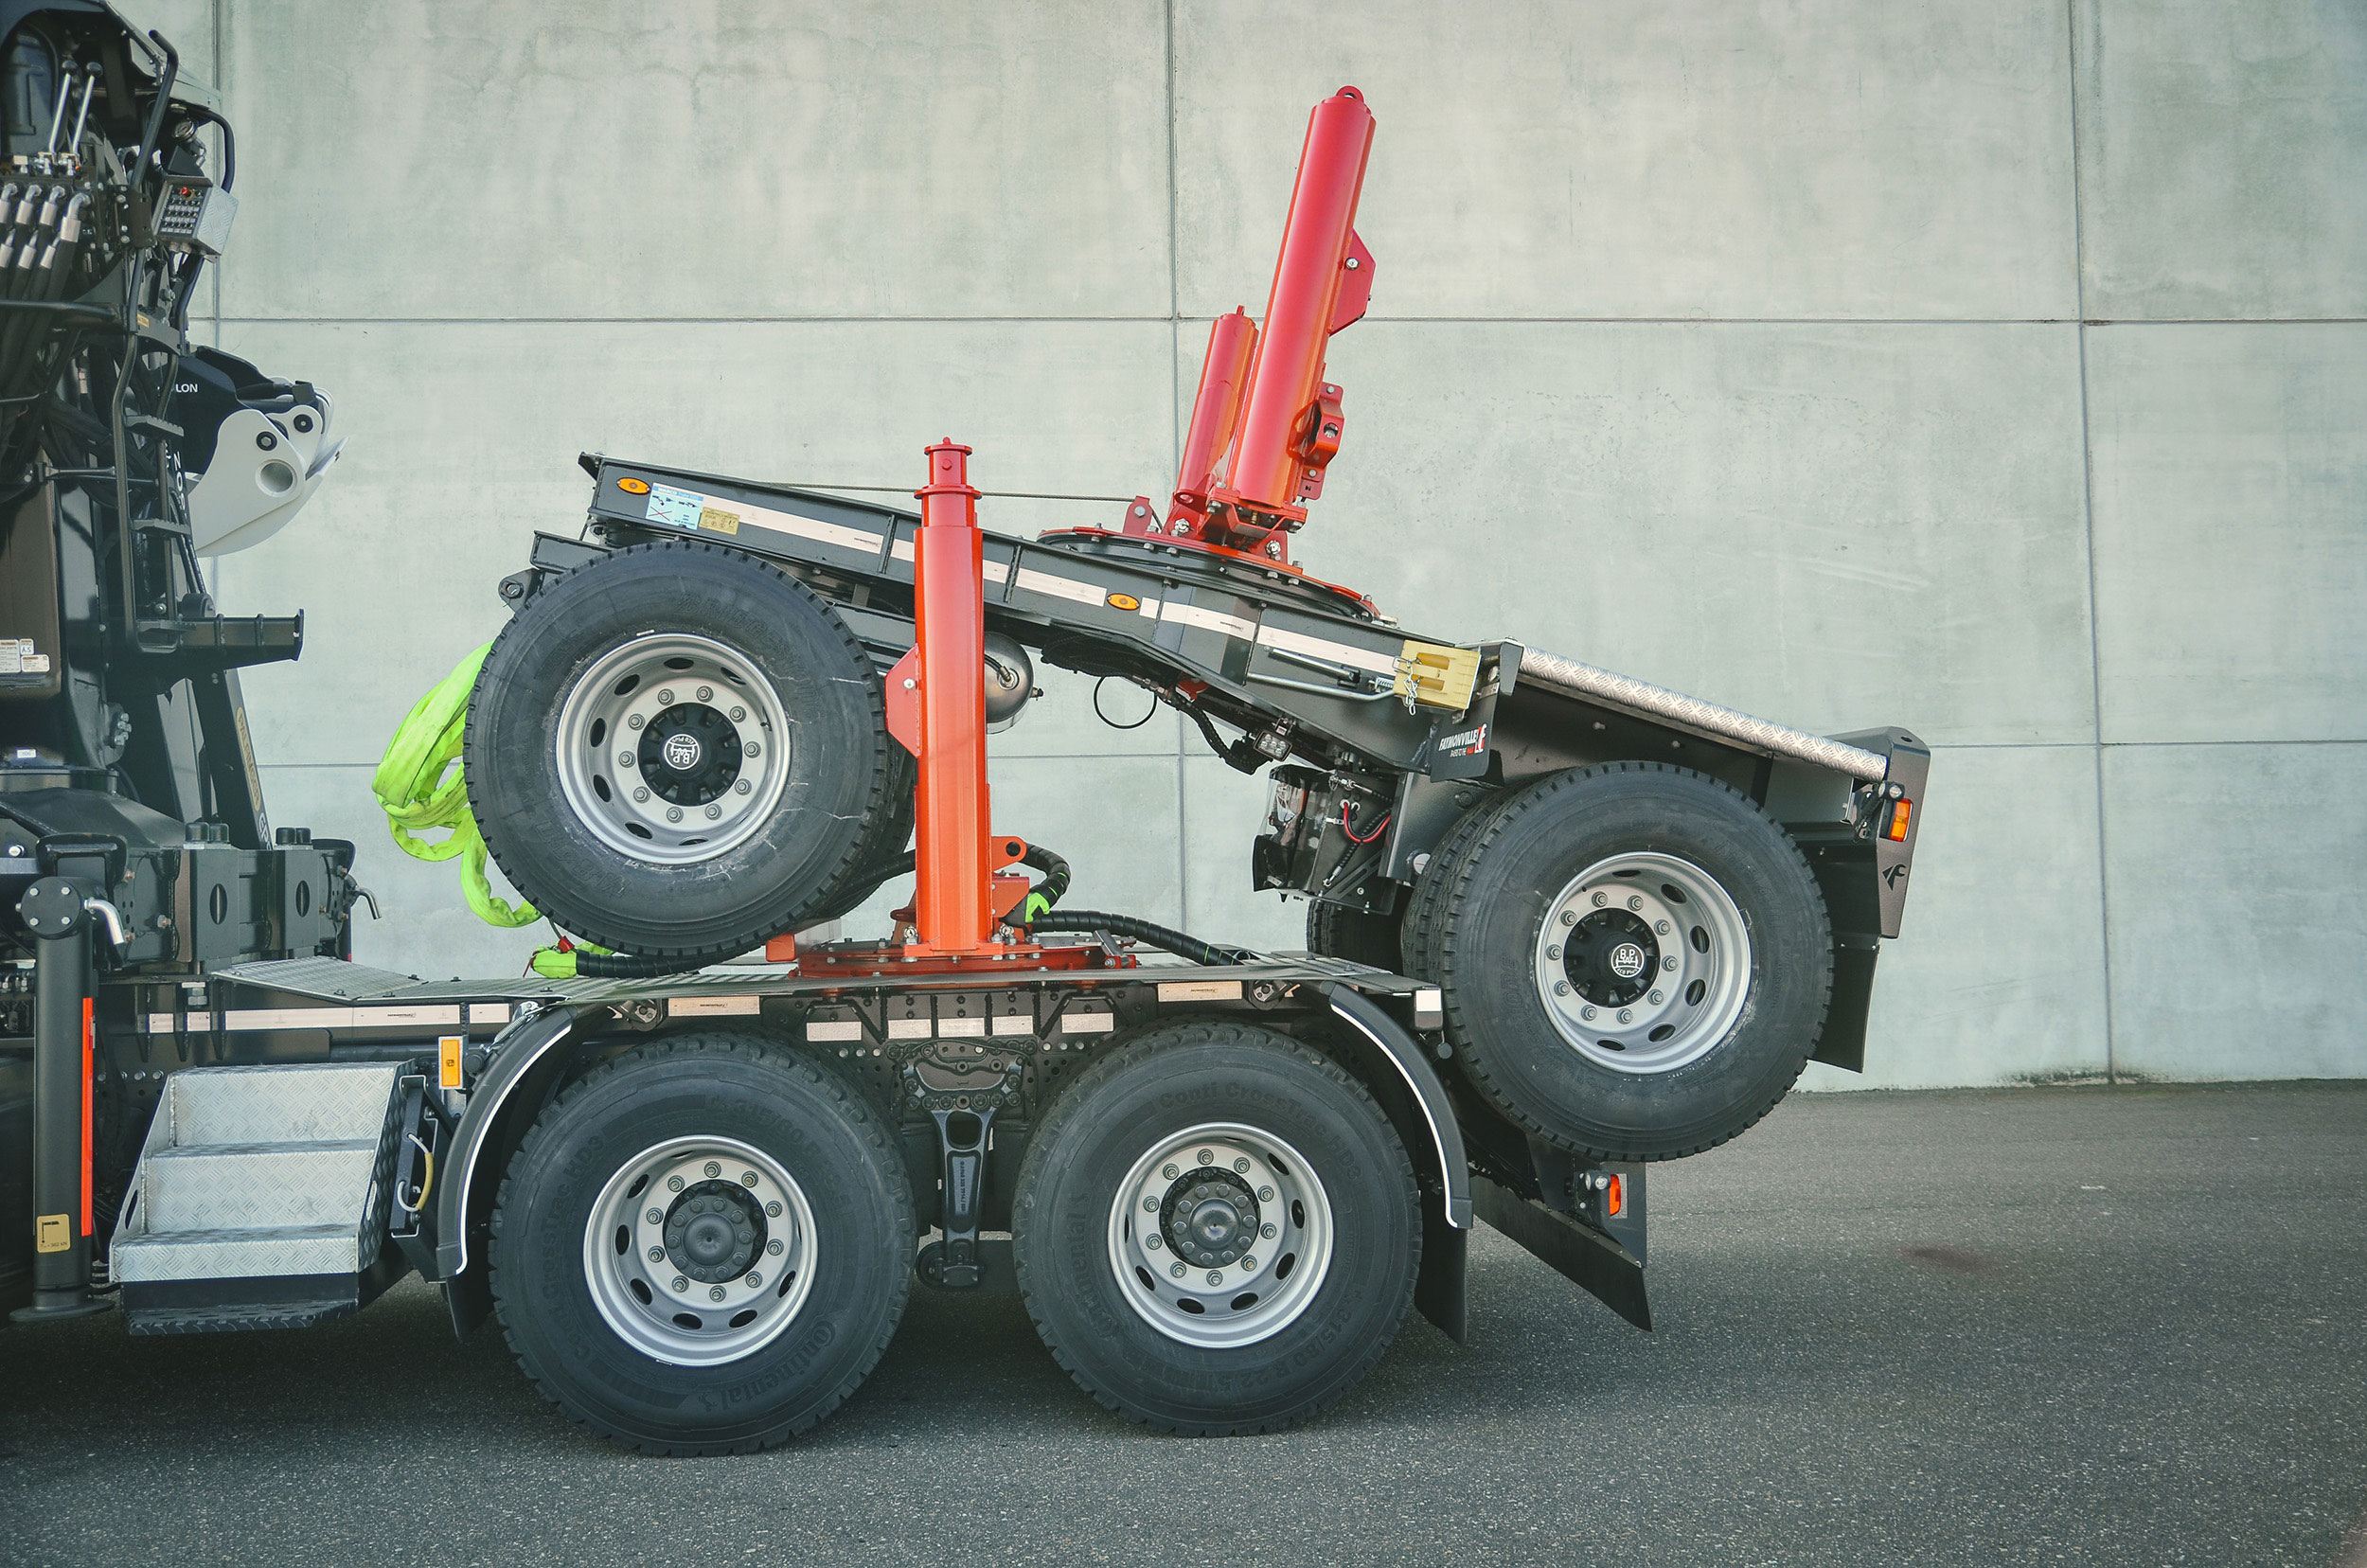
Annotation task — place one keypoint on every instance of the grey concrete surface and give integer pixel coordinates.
(1822, 359)
(2096, 1326)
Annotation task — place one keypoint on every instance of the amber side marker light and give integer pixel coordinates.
(1901, 812)
(633, 486)
(1615, 1197)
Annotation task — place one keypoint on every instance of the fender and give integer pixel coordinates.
(1404, 1052)
(515, 1054)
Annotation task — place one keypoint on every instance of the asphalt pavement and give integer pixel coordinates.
(2095, 1324)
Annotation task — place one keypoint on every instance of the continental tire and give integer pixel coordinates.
(1635, 960)
(1217, 1230)
(703, 1246)
(681, 751)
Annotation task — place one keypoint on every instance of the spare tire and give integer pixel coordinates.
(1635, 960)
(680, 751)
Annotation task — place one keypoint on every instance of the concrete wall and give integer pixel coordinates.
(1997, 369)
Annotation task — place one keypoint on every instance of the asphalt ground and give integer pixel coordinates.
(2093, 1325)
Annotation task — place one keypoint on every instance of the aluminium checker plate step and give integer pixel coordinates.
(261, 1198)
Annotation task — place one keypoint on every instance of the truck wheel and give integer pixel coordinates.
(1636, 961)
(680, 751)
(703, 1246)
(1360, 937)
(1216, 1231)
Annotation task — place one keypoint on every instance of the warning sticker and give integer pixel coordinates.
(715, 520)
(676, 509)
(18, 659)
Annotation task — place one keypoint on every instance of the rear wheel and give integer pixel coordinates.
(680, 751)
(1635, 961)
(1217, 1230)
(1358, 935)
(702, 1247)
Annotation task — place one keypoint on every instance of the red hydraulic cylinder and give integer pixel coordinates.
(1223, 379)
(953, 896)
(1317, 255)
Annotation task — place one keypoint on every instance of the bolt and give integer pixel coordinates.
(910, 684)
(1661, 926)
(1654, 997)
(748, 1178)
(1241, 1165)
(1668, 963)
(1273, 549)
(635, 721)
(1561, 987)
(713, 812)
(1177, 1270)
(1249, 1264)
(742, 788)
(673, 1183)
(641, 792)
(1601, 899)
(681, 1284)
(1181, 529)
(1627, 1015)
(673, 813)
(752, 749)
(1169, 1172)
(1554, 951)
(737, 714)
(1151, 1240)
(1216, 1276)
(1351, 263)
(773, 1246)
(657, 1255)
(754, 1280)
(1265, 1195)
(655, 1217)
(1267, 1231)
(715, 1293)
(666, 695)
(1586, 1013)
(1634, 902)
(773, 1209)
(705, 692)
(1207, 1156)
(714, 1169)
(1152, 1204)
(624, 759)
(1568, 916)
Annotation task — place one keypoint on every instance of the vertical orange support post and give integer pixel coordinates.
(1320, 258)
(947, 671)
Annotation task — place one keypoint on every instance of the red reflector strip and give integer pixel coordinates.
(86, 1099)
(1901, 812)
(1615, 1197)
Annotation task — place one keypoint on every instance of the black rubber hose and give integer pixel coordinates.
(1192, 948)
(631, 965)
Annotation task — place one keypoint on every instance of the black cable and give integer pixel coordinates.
(1241, 755)
(630, 965)
(1147, 715)
(1095, 922)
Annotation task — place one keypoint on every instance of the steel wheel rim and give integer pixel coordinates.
(1279, 1273)
(672, 749)
(1691, 960)
(641, 1276)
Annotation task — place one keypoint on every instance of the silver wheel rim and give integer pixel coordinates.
(672, 749)
(1644, 963)
(655, 1271)
(1260, 1277)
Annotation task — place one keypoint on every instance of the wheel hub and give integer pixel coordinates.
(714, 1232)
(1612, 957)
(1211, 1217)
(689, 754)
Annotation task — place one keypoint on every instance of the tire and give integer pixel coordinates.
(797, 1341)
(776, 694)
(1355, 934)
(1636, 962)
(1290, 1332)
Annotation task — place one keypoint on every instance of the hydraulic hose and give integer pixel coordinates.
(1183, 946)
(1039, 898)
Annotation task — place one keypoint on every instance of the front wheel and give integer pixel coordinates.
(1216, 1231)
(702, 1247)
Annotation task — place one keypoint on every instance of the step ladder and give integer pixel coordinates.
(261, 1199)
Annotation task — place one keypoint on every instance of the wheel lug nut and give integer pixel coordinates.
(713, 812)
(1266, 1231)
(747, 1178)
(1568, 916)
(657, 1255)
(1265, 1195)
(1627, 1015)
(1241, 1165)
(1634, 902)
(743, 787)
(681, 1284)
(1561, 987)
(774, 1247)
(1152, 1241)
(1216, 1276)
(1601, 899)
(624, 759)
(1249, 1264)
(1554, 951)
(635, 721)
(673, 813)
(1654, 997)
(774, 1210)
(754, 1280)
(1177, 1271)
(1169, 1172)
(1586, 1013)
(1152, 1204)
(714, 1169)
(737, 714)
(1207, 1156)
(667, 697)
(655, 1217)
(715, 1293)
(1661, 926)
(673, 1183)
(640, 793)
(705, 692)
(752, 749)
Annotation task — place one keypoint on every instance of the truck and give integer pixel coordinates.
(1561, 923)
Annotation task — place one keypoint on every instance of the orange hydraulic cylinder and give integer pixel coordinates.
(1223, 379)
(1306, 283)
(954, 887)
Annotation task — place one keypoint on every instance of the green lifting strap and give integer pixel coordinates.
(420, 784)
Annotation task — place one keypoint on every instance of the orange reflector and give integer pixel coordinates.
(449, 1049)
(1901, 812)
(633, 486)
(1125, 601)
(1615, 1197)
